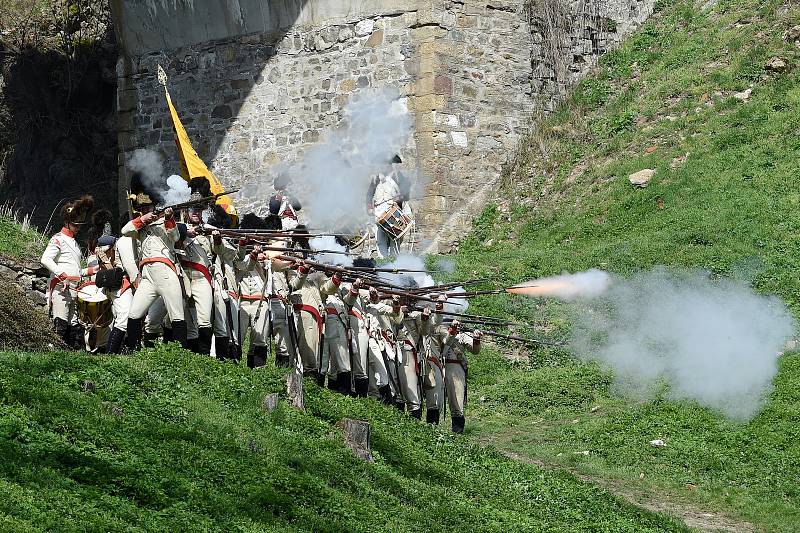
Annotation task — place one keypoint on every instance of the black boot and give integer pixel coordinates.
(150, 339)
(362, 387)
(458, 425)
(134, 332)
(386, 395)
(400, 404)
(192, 345)
(432, 416)
(281, 360)
(76, 338)
(168, 335)
(260, 354)
(114, 342)
(204, 340)
(221, 347)
(179, 333)
(234, 352)
(344, 383)
(61, 328)
(332, 384)
(416, 413)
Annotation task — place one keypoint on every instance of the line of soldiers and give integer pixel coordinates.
(187, 282)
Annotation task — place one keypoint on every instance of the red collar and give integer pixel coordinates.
(65, 230)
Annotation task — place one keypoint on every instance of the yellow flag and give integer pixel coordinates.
(194, 167)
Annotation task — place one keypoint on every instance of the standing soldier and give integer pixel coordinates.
(359, 334)
(120, 253)
(382, 318)
(196, 263)
(62, 257)
(283, 204)
(433, 380)
(453, 345)
(337, 351)
(160, 273)
(415, 325)
(226, 306)
(309, 291)
(252, 294)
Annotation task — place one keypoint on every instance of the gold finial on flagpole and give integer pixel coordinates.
(162, 77)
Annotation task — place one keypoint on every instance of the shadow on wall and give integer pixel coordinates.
(214, 53)
(58, 140)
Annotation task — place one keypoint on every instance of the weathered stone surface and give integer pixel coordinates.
(483, 70)
(357, 436)
(642, 178)
(294, 390)
(777, 65)
(744, 95)
(270, 402)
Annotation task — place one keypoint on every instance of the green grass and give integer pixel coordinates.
(173, 441)
(19, 242)
(730, 208)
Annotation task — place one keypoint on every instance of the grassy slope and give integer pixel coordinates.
(731, 208)
(173, 441)
(18, 242)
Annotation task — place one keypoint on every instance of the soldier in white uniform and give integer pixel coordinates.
(337, 351)
(383, 316)
(309, 290)
(226, 300)
(283, 204)
(161, 274)
(62, 257)
(415, 326)
(453, 345)
(197, 266)
(385, 194)
(433, 379)
(124, 256)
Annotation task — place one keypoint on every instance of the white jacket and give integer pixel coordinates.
(62, 255)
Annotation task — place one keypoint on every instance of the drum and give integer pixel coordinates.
(394, 222)
(94, 307)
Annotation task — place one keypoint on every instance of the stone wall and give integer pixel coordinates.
(257, 87)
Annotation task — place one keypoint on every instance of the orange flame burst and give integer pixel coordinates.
(541, 288)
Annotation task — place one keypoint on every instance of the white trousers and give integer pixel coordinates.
(158, 279)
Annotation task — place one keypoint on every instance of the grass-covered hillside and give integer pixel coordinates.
(708, 97)
(171, 441)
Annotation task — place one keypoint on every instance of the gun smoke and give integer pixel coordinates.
(716, 342)
(148, 166)
(331, 178)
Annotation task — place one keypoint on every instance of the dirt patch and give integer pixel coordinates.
(23, 326)
(693, 517)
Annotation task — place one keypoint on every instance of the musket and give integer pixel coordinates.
(278, 233)
(448, 286)
(479, 317)
(470, 294)
(190, 203)
(388, 270)
(513, 337)
(305, 250)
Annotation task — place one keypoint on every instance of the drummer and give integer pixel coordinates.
(385, 194)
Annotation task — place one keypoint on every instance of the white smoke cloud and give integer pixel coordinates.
(411, 262)
(715, 342)
(177, 190)
(331, 178)
(328, 242)
(150, 166)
